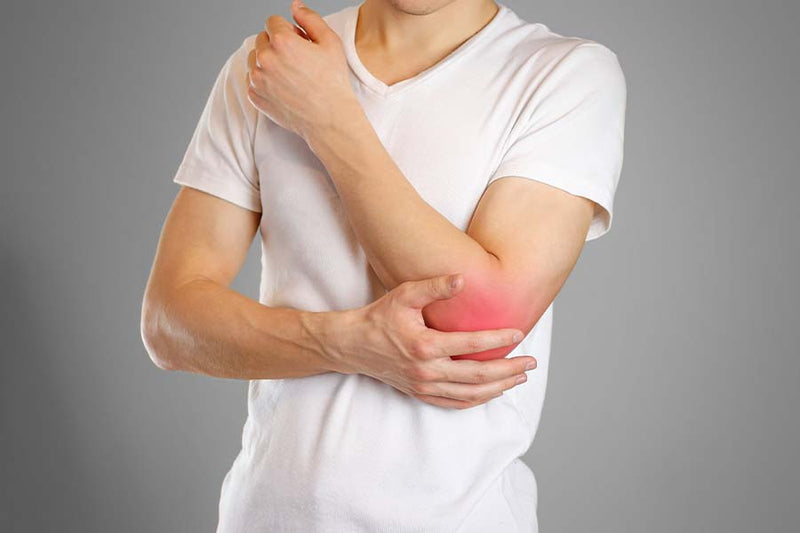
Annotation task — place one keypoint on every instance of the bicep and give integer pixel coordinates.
(203, 237)
(537, 232)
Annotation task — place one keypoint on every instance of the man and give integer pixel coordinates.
(380, 149)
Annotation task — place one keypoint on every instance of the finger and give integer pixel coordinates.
(300, 32)
(469, 392)
(255, 98)
(312, 22)
(441, 401)
(469, 371)
(276, 24)
(451, 343)
(253, 72)
(262, 40)
(261, 45)
(252, 61)
(419, 293)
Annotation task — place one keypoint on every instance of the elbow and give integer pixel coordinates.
(153, 337)
(489, 300)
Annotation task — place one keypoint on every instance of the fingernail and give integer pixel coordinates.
(531, 365)
(453, 281)
(517, 337)
(522, 379)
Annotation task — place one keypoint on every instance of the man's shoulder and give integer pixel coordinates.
(337, 19)
(524, 41)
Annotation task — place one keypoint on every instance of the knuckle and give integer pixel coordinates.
(403, 290)
(419, 373)
(474, 344)
(437, 286)
(481, 377)
(422, 388)
(421, 348)
(261, 57)
(412, 373)
(439, 375)
(410, 288)
(432, 285)
(280, 40)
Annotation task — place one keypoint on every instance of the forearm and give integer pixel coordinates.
(402, 236)
(207, 328)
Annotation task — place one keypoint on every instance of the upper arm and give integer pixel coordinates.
(203, 237)
(554, 187)
(216, 212)
(537, 232)
(552, 190)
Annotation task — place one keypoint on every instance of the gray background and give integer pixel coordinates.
(673, 400)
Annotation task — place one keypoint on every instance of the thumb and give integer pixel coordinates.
(311, 22)
(419, 293)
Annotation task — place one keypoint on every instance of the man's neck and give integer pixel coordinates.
(395, 42)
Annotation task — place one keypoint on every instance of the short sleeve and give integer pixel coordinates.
(219, 159)
(570, 133)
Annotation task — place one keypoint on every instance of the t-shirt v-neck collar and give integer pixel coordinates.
(384, 90)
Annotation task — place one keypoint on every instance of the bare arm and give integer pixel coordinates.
(192, 320)
(525, 236)
(522, 242)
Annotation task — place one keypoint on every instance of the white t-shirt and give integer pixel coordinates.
(348, 453)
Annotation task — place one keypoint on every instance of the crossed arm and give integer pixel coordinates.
(524, 237)
(521, 244)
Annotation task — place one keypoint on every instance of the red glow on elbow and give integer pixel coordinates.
(480, 305)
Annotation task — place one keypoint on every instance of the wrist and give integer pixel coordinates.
(345, 125)
(328, 331)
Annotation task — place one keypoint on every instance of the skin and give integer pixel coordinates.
(520, 246)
